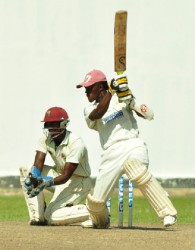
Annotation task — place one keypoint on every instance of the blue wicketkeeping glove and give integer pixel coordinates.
(46, 181)
(33, 179)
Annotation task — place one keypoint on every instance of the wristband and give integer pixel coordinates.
(36, 172)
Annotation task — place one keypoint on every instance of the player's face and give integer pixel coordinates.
(53, 128)
(92, 92)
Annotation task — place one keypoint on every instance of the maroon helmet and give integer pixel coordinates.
(55, 114)
(55, 118)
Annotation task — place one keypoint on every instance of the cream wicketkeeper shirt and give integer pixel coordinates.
(72, 149)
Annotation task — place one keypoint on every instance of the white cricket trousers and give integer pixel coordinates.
(111, 166)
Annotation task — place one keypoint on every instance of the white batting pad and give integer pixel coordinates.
(149, 186)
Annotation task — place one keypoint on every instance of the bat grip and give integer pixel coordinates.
(120, 72)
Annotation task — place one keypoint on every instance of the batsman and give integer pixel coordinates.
(111, 112)
(68, 180)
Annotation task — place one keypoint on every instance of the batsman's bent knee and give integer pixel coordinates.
(138, 173)
(98, 213)
(67, 215)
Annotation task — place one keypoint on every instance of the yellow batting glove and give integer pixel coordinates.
(123, 92)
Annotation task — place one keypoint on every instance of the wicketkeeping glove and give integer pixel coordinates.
(34, 185)
(33, 179)
(32, 182)
(47, 181)
(119, 85)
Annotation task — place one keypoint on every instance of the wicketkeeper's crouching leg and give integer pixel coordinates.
(60, 210)
(152, 190)
(67, 215)
(35, 205)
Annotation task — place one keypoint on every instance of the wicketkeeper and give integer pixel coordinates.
(111, 113)
(68, 180)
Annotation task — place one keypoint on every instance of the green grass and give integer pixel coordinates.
(13, 208)
(143, 212)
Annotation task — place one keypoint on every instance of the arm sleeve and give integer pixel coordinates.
(91, 124)
(142, 109)
(76, 151)
(42, 147)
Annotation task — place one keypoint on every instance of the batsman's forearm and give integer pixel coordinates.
(142, 110)
(101, 108)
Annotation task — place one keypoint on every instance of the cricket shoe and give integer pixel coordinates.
(37, 223)
(89, 224)
(169, 220)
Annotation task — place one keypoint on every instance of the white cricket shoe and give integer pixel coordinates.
(87, 224)
(169, 220)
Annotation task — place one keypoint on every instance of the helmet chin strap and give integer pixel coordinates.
(47, 133)
(56, 136)
(62, 127)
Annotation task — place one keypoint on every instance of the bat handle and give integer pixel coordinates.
(120, 72)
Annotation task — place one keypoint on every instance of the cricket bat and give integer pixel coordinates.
(120, 34)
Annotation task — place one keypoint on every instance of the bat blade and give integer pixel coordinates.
(120, 33)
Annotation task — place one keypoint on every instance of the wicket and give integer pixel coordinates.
(121, 202)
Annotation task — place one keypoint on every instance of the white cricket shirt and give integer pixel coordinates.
(72, 149)
(117, 124)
